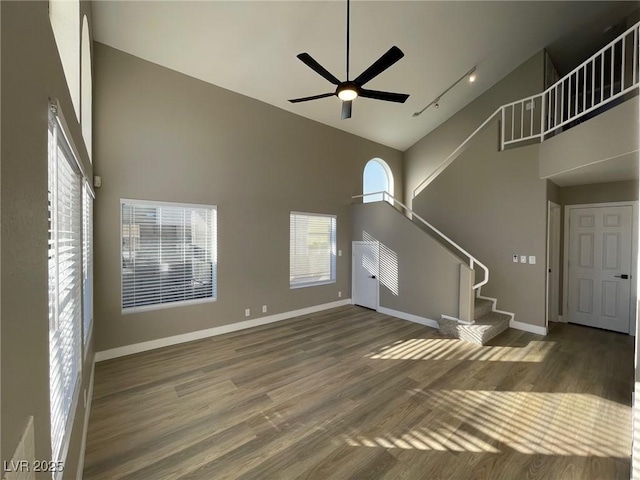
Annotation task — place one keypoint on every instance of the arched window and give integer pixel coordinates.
(377, 177)
(65, 21)
(86, 87)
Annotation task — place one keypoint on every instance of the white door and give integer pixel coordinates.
(599, 280)
(553, 266)
(364, 288)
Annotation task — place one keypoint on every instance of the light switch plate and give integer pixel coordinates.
(523, 259)
(532, 259)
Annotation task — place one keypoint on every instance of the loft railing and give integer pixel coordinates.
(473, 261)
(604, 77)
(601, 79)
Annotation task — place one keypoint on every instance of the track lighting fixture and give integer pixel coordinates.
(436, 102)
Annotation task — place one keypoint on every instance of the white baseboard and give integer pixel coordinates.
(212, 332)
(527, 327)
(85, 427)
(409, 316)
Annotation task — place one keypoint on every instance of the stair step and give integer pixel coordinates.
(482, 307)
(484, 329)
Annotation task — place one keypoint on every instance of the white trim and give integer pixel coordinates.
(634, 258)
(409, 316)
(212, 332)
(85, 428)
(550, 207)
(353, 269)
(157, 203)
(527, 327)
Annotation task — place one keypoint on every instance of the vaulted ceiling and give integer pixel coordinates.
(250, 47)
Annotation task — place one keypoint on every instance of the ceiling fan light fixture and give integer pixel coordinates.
(348, 93)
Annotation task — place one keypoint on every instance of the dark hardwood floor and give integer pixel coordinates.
(353, 394)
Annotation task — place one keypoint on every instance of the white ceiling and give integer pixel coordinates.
(251, 48)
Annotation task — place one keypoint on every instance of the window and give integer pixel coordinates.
(87, 260)
(377, 177)
(169, 254)
(312, 249)
(65, 285)
(65, 22)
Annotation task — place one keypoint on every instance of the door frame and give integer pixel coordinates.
(553, 206)
(353, 269)
(634, 257)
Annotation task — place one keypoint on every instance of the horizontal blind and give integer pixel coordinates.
(312, 246)
(87, 263)
(168, 253)
(65, 278)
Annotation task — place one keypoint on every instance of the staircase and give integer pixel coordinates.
(602, 81)
(488, 323)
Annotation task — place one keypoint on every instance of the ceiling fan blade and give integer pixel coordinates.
(315, 97)
(316, 67)
(386, 96)
(385, 61)
(346, 109)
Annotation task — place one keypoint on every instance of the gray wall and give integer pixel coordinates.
(491, 203)
(31, 74)
(417, 274)
(427, 154)
(582, 145)
(599, 193)
(161, 135)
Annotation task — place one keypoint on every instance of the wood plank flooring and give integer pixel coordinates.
(353, 394)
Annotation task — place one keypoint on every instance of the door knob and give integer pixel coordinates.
(624, 276)
(372, 276)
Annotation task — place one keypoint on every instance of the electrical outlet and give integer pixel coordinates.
(515, 258)
(247, 312)
(339, 294)
(264, 309)
(532, 259)
(523, 259)
(339, 253)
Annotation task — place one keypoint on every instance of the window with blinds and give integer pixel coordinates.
(87, 260)
(65, 286)
(169, 254)
(312, 249)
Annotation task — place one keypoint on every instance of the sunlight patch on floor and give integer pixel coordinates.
(560, 424)
(454, 349)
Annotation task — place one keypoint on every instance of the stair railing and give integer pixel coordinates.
(473, 261)
(609, 74)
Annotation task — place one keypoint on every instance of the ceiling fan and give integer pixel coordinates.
(348, 90)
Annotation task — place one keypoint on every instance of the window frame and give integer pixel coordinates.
(214, 255)
(61, 142)
(333, 250)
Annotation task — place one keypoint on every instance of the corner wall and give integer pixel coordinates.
(31, 75)
(161, 135)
